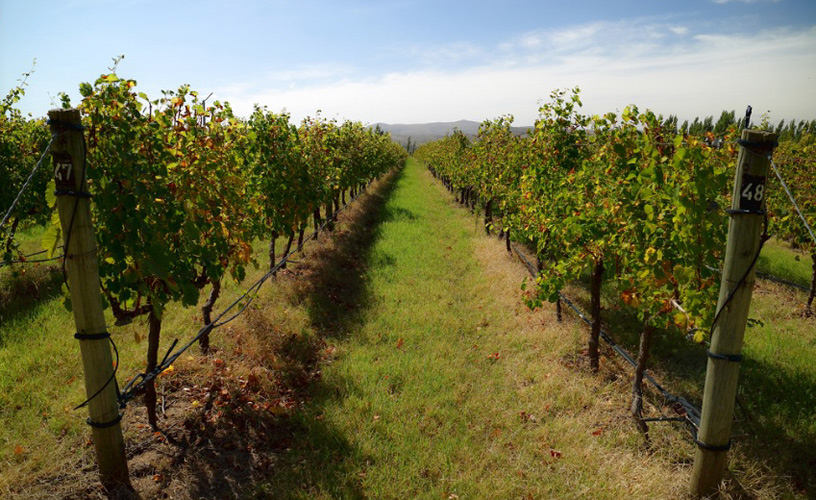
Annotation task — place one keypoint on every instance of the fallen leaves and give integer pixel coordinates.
(526, 417)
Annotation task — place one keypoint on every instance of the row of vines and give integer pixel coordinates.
(796, 162)
(182, 188)
(623, 199)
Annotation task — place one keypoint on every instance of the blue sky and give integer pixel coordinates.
(403, 61)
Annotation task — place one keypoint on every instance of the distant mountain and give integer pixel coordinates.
(421, 133)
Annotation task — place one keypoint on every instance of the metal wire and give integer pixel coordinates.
(25, 185)
(793, 200)
(138, 382)
(26, 259)
(692, 413)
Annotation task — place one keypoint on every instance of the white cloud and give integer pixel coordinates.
(576, 36)
(441, 55)
(615, 65)
(529, 41)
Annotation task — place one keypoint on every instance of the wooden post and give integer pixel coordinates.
(68, 151)
(744, 234)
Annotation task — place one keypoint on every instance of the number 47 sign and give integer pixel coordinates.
(64, 172)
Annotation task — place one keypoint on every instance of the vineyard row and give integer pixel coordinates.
(179, 191)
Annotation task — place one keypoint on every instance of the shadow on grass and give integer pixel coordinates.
(775, 410)
(774, 420)
(336, 291)
(262, 435)
(781, 425)
(251, 433)
(398, 214)
(24, 288)
(246, 421)
(321, 459)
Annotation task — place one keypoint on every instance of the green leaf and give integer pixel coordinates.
(159, 263)
(190, 295)
(52, 238)
(50, 197)
(158, 309)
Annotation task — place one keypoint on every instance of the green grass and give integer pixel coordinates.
(775, 422)
(38, 378)
(444, 385)
(41, 434)
(777, 388)
(780, 260)
(416, 371)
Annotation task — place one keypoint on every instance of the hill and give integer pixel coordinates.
(421, 133)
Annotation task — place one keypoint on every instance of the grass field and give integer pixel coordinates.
(396, 360)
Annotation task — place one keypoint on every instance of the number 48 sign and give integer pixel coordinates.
(752, 192)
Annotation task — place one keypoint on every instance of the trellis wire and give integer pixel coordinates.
(25, 185)
(137, 383)
(793, 200)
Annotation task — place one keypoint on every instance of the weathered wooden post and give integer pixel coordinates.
(73, 204)
(744, 240)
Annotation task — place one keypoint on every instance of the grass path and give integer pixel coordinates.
(395, 360)
(445, 386)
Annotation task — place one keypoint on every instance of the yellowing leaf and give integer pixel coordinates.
(50, 197)
(276, 410)
(649, 257)
(167, 371)
(52, 238)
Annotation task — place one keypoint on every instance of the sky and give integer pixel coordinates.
(416, 61)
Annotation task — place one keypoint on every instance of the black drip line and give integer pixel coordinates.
(112, 378)
(733, 358)
(758, 147)
(138, 382)
(135, 385)
(26, 259)
(65, 125)
(105, 425)
(763, 238)
(692, 413)
(75, 194)
(712, 447)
